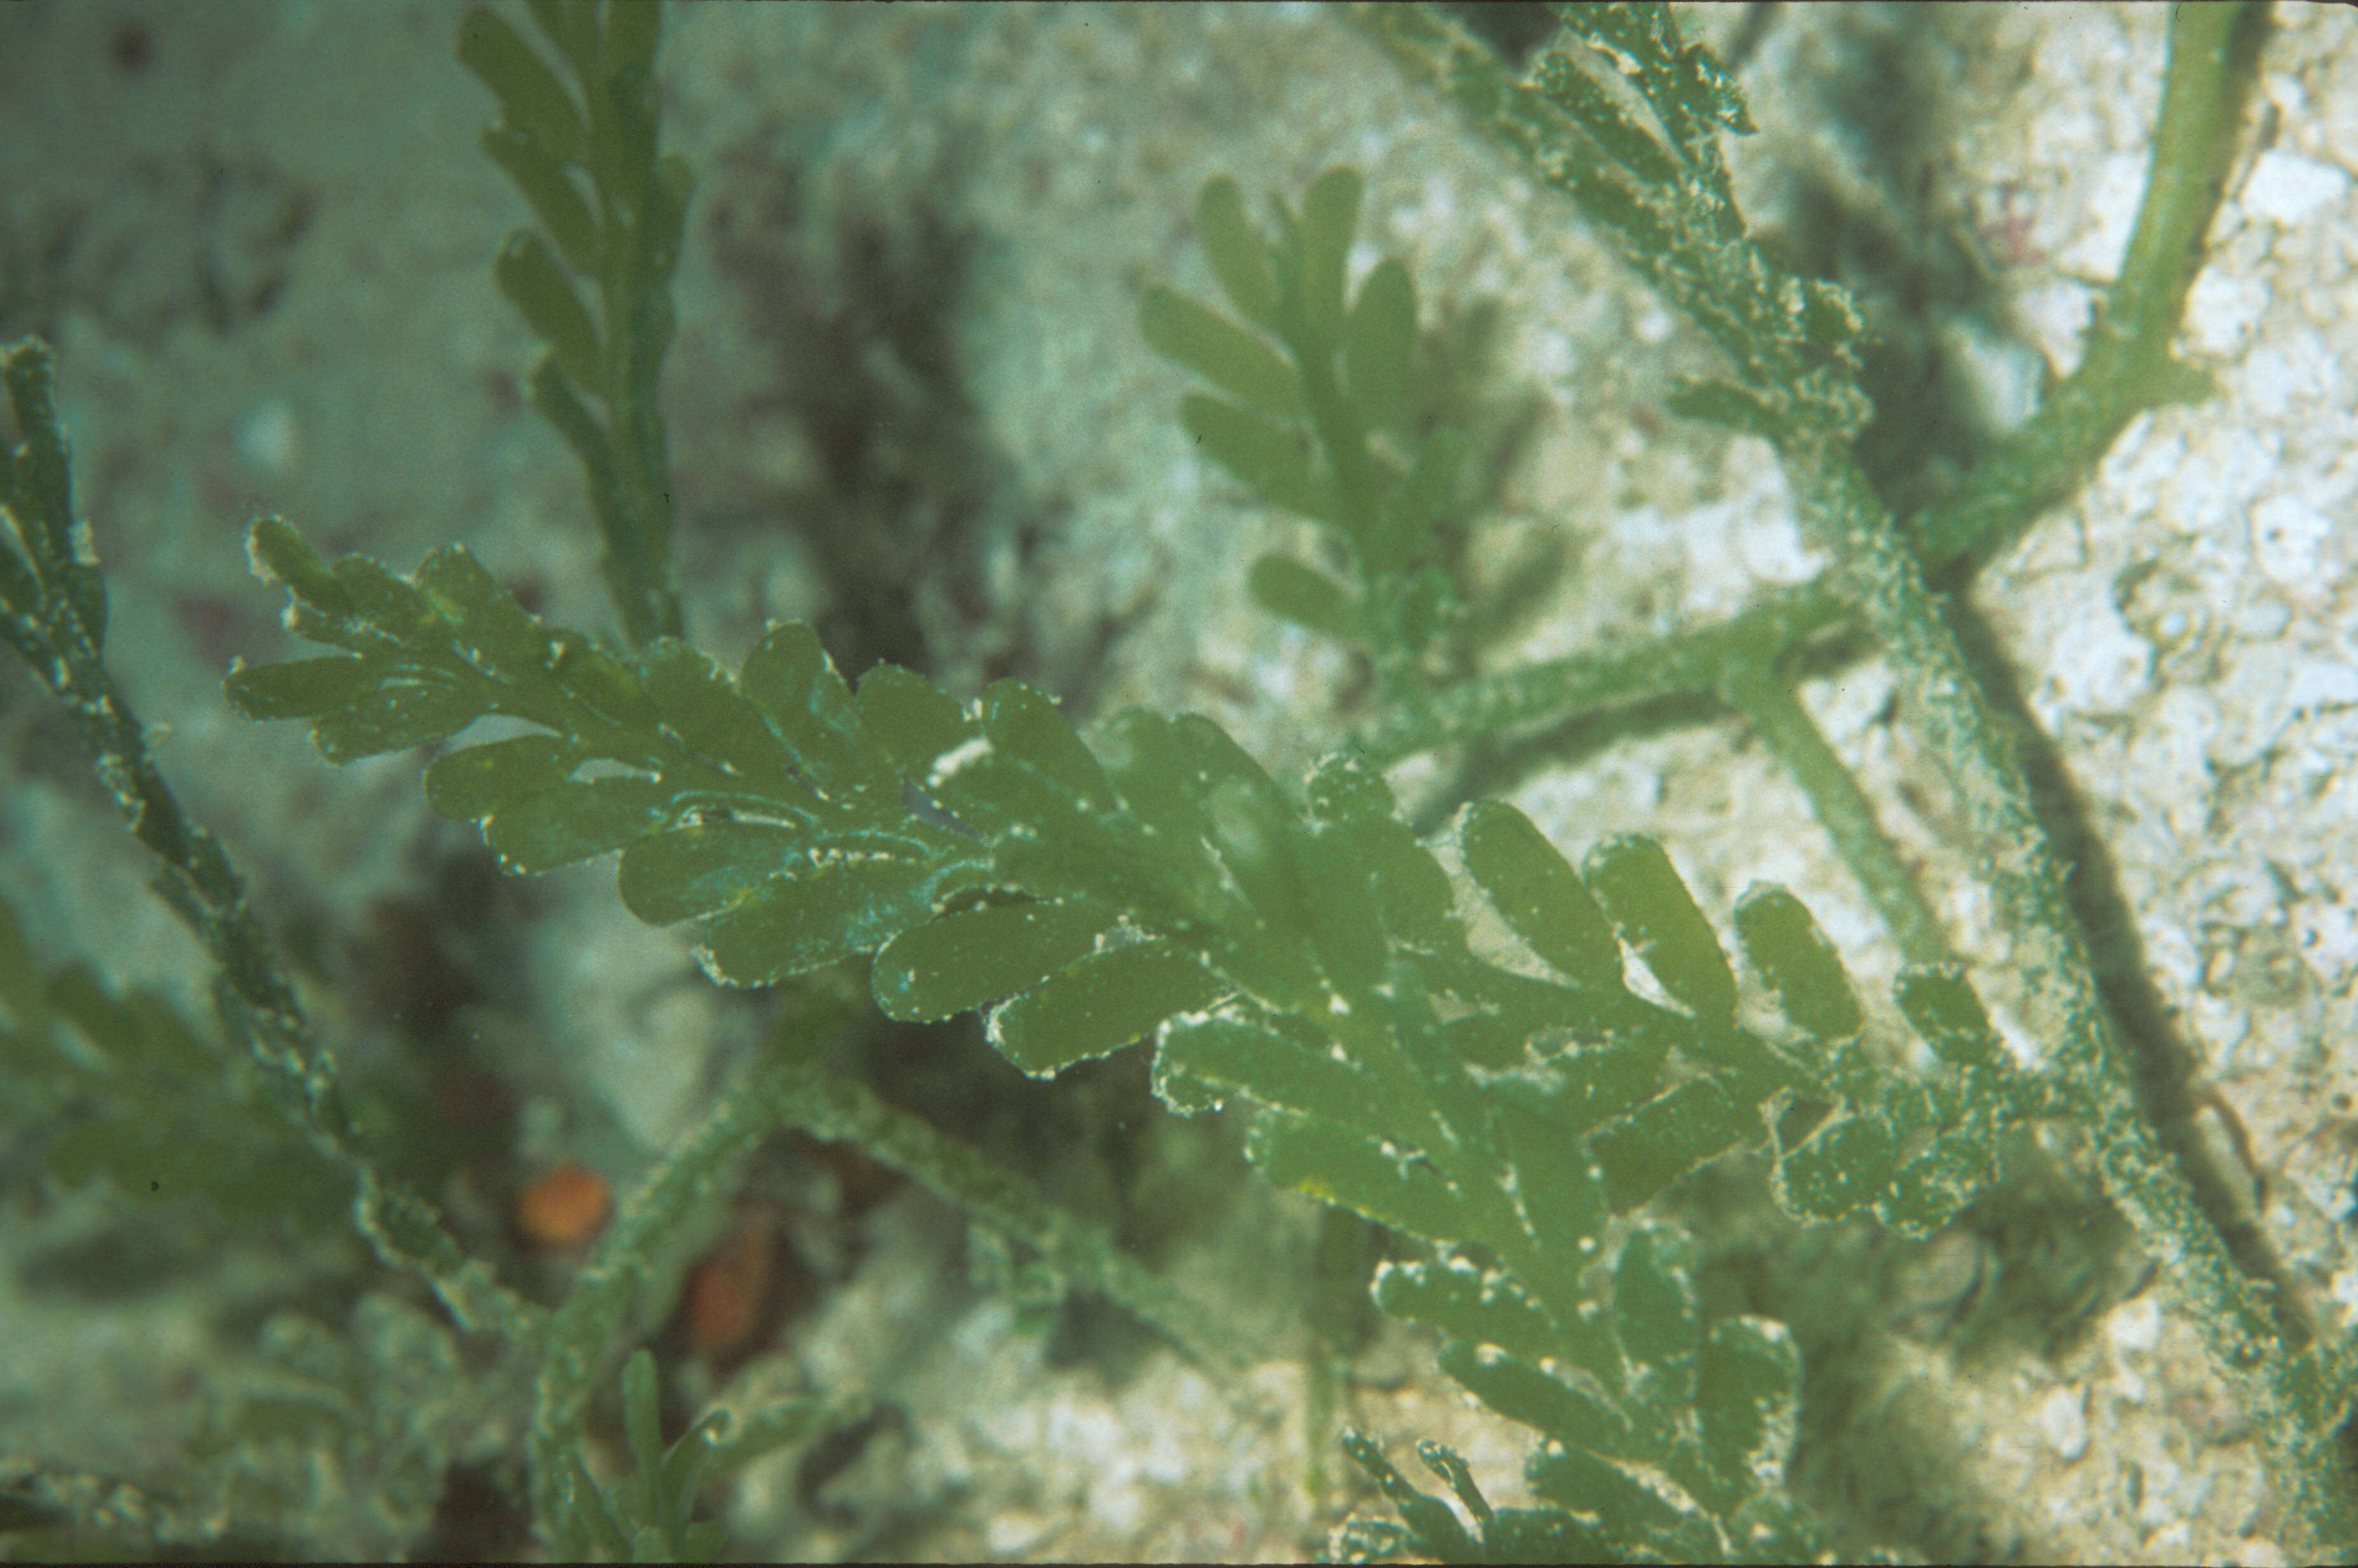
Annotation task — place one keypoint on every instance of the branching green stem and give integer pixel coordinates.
(2300, 1394)
(1689, 663)
(831, 1106)
(2235, 1312)
(783, 1086)
(2295, 1395)
(1842, 808)
(585, 1331)
(2126, 368)
(55, 618)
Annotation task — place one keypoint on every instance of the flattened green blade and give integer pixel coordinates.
(1026, 726)
(484, 618)
(1377, 339)
(1346, 926)
(554, 200)
(1717, 402)
(1944, 1009)
(1238, 363)
(530, 95)
(789, 676)
(1306, 596)
(535, 283)
(1627, 142)
(608, 684)
(1272, 461)
(1930, 1190)
(1348, 797)
(1557, 1187)
(972, 958)
(395, 717)
(1664, 1139)
(1330, 210)
(1628, 1512)
(1844, 1162)
(700, 867)
(280, 554)
(1784, 945)
(789, 925)
(573, 821)
(1236, 1055)
(1657, 917)
(1464, 1301)
(473, 782)
(1520, 1391)
(1238, 252)
(1535, 889)
(1749, 1399)
(916, 722)
(702, 706)
(1655, 1311)
(298, 689)
(1099, 1005)
(1334, 1164)
(1411, 508)
(1588, 1084)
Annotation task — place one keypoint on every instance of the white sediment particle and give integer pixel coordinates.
(2116, 191)
(2057, 314)
(2329, 935)
(2104, 668)
(2320, 684)
(2285, 187)
(2020, 1044)
(2136, 1327)
(2221, 310)
(2288, 534)
(269, 439)
(947, 766)
(2345, 1295)
(2006, 375)
(2289, 374)
(1772, 548)
(2063, 1421)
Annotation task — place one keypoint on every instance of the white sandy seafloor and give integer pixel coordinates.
(265, 256)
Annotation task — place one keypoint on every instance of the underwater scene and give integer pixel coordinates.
(1178, 782)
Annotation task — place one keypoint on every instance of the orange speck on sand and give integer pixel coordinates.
(728, 1289)
(565, 1207)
